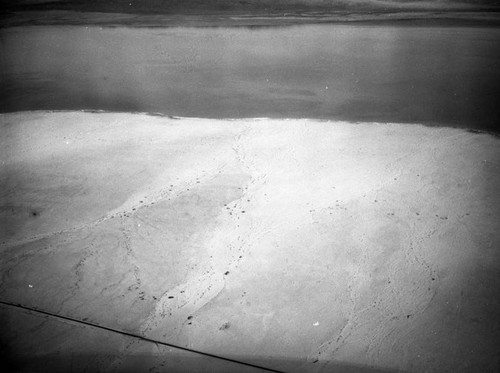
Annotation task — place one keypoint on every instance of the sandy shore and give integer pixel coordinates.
(292, 244)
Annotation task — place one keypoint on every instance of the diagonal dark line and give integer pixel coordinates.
(113, 330)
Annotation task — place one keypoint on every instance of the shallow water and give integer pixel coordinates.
(432, 75)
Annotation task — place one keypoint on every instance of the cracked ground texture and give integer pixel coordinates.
(296, 245)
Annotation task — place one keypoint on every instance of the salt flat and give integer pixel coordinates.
(296, 245)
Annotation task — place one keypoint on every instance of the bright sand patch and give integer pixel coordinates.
(295, 244)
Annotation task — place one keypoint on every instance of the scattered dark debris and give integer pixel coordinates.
(225, 326)
(243, 211)
(315, 361)
(417, 213)
(190, 317)
(226, 273)
(170, 297)
(154, 297)
(433, 279)
(408, 316)
(190, 323)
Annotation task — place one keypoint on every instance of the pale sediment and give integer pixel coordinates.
(297, 244)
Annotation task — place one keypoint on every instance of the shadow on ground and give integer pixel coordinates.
(173, 362)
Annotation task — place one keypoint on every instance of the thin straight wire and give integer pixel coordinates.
(135, 336)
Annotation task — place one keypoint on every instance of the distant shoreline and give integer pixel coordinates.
(167, 116)
(247, 19)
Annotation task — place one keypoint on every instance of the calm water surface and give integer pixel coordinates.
(432, 75)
